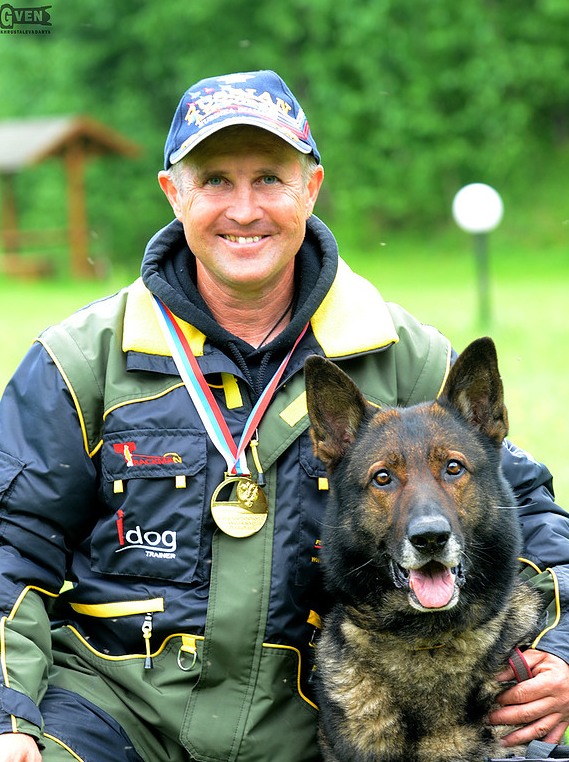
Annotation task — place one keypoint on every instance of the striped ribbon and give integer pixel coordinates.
(203, 399)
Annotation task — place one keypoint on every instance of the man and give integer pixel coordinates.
(155, 455)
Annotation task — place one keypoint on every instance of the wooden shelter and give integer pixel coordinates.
(74, 140)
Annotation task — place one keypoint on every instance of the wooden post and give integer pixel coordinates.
(10, 235)
(78, 238)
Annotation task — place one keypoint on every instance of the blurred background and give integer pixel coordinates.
(409, 100)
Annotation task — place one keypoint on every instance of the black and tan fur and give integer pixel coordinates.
(420, 560)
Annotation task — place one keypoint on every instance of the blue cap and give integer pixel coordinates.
(257, 98)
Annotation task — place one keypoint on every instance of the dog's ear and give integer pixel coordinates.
(336, 408)
(474, 388)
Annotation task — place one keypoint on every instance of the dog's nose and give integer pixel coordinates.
(429, 533)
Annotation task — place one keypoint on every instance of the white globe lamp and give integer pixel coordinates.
(478, 209)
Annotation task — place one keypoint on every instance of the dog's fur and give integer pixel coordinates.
(420, 560)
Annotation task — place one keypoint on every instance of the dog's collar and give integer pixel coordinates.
(430, 647)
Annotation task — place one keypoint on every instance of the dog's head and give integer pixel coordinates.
(419, 505)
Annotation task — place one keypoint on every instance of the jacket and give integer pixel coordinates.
(105, 484)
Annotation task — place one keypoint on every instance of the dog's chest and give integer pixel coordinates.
(431, 683)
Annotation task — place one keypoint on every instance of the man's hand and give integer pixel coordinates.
(18, 747)
(540, 704)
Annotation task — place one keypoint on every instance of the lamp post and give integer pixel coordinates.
(478, 209)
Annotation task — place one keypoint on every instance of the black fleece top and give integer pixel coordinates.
(169, 272)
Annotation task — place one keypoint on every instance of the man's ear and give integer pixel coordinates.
(171, 191)
(313, 189)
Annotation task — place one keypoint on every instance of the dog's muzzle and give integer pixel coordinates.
(431, 587)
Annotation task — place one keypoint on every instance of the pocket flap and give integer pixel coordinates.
(152, 453)
(10, 467)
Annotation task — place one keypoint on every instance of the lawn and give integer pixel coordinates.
(435, 279)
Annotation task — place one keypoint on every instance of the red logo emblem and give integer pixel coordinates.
(133, 458)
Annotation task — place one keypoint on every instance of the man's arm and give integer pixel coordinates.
(540, 704)
(46, 490)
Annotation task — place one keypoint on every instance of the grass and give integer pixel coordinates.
(434, 277)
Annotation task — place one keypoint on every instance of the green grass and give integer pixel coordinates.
(434, 278)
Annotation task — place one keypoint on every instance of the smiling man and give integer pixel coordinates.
(243, 197)
(155, 454)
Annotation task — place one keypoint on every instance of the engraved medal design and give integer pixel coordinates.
(239, 506)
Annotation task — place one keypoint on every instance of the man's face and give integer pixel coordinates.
(243, 202)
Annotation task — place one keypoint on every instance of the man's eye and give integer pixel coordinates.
(270, 179)
(215, 181)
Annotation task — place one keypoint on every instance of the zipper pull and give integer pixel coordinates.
(261, 481)
(147, 634)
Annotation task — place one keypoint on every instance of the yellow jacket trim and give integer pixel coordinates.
(294, 412)
(9, 618)
(142, 331)
(447, 370)
(71, 391)
(23, 594)
(119, 608)
(64, 746)
(338, 324)
(231, 390)
(557, 609)
(529, 563)
(298, 685)
(126, 657)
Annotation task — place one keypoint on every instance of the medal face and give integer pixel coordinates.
(239, 506)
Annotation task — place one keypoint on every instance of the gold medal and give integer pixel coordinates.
(245, 512)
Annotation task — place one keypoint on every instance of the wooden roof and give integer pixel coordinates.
(24, 142)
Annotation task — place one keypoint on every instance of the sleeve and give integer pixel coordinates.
(545, 531)
(47, 489)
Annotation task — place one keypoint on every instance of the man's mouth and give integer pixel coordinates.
(242, 239)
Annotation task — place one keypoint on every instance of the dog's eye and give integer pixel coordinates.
(454, 468)
(381, 478)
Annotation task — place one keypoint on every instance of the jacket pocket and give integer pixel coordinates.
(282, 720)
(10, 467)
(153, 492)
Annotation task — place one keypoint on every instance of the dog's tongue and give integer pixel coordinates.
(433, 585)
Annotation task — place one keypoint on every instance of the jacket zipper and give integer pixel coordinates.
(147, 634)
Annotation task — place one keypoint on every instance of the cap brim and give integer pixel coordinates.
(195, 140)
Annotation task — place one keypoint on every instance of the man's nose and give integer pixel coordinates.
(243, 206)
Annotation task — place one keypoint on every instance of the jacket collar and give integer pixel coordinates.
(340, 325)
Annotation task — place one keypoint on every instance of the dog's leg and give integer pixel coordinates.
(453, 744)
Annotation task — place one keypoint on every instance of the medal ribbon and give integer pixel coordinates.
(203, 399)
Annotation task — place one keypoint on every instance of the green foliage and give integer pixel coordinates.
(408, 99)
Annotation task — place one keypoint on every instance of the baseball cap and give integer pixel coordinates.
(257, 98)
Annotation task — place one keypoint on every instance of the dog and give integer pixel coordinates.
(419, 556)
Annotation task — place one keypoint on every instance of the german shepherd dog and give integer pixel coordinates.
(420, 560)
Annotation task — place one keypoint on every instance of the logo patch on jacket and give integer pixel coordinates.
(155, 544)
(133, 458)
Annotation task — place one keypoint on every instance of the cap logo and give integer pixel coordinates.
(214, 105)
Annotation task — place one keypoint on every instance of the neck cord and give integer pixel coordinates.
(279, 321)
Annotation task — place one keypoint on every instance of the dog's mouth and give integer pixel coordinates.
(432, 586)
